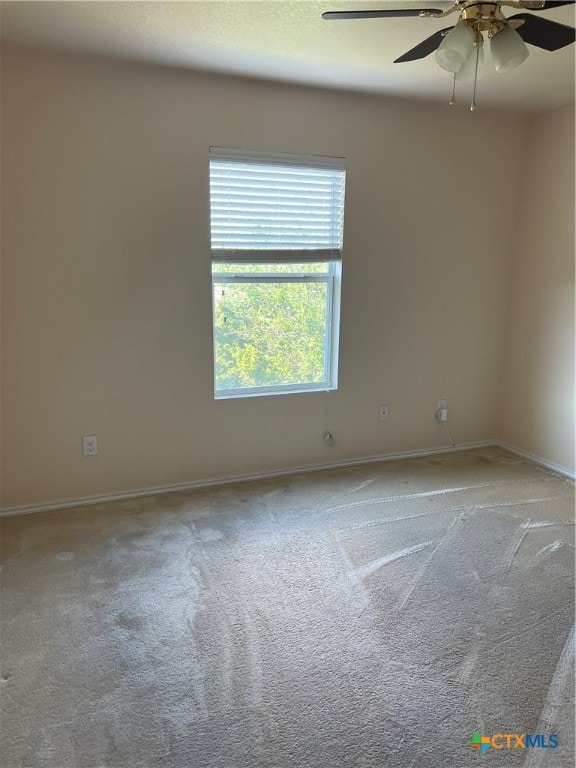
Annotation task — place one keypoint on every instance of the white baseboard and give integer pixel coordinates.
(105, 498)
(84, 501)
(570, 473)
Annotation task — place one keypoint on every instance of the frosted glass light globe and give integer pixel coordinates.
(454, 50)
(468, 71)
(508, 50)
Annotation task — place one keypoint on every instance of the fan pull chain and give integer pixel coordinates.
(473, 105)
(453, 97)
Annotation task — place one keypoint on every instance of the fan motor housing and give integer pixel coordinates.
(485, 17)
(481, 16)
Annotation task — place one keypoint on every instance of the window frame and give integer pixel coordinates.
(245, 256)
(332, 278)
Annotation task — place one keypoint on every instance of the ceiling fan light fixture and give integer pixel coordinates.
(459, 49)
(508, 49)
(455, 49)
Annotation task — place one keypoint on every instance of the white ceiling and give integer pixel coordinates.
(289, 41)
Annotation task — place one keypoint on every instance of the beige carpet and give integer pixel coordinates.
(372, 617)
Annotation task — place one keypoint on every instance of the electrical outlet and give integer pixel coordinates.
(90, 445)
(384, 412)
(441, 410)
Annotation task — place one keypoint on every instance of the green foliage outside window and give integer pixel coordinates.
(269, 333)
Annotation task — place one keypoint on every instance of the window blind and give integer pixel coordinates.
(275, 207)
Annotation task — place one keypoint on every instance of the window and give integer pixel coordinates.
(276, 240)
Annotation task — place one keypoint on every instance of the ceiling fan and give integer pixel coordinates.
(459, 48)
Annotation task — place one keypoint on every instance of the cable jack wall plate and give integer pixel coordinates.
(329, 439)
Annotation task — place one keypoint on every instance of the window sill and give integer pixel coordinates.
(251, 393)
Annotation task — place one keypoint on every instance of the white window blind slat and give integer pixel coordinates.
(286, 203)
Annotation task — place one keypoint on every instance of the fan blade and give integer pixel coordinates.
(549, 4)
(544, 33)
(330, 15)
(423, 48)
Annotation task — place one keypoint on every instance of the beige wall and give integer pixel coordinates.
(107, 300)
(538, 386)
